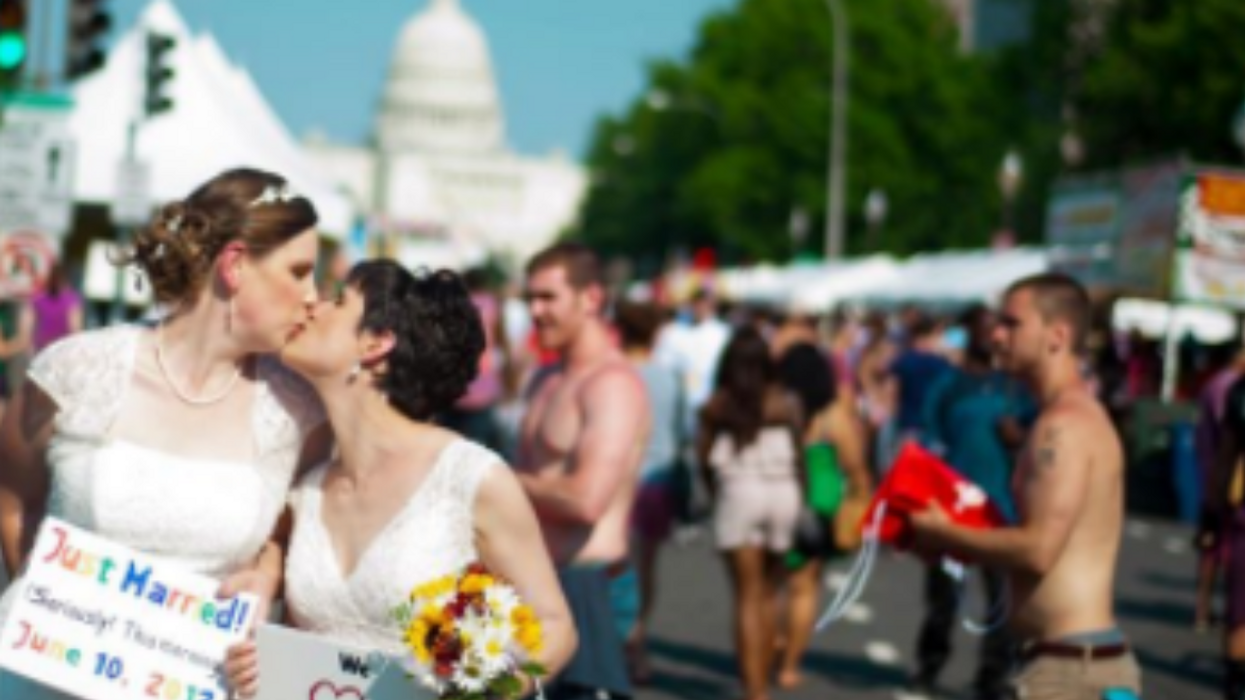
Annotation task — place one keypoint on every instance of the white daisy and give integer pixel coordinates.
(494, 652)
(502, 600)
(470, 677)
(474, 628)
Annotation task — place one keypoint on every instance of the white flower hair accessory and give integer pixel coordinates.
(273, 194)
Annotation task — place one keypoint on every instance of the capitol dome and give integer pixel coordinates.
(441, 95)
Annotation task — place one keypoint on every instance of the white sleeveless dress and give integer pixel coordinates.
(207, 516)
(433, 535)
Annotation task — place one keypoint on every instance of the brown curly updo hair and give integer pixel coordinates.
(175, 252)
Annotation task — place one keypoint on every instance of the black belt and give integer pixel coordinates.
(1089, 652)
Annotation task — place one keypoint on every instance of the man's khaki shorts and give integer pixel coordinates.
(1059, 678)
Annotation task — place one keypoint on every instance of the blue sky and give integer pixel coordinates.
(559, 63)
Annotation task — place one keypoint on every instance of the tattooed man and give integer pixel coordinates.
(1069, 490)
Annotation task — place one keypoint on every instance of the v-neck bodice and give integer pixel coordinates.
(431, 535)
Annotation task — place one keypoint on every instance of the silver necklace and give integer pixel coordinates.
(181, 394)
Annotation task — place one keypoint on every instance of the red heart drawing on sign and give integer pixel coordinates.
(325, 690)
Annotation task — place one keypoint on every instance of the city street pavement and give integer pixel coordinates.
(869, 655)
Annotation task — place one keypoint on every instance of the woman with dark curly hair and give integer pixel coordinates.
(404, 501)
(180, 439)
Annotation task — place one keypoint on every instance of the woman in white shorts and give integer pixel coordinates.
(748, 446)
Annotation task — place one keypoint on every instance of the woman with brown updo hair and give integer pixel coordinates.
(179, 439)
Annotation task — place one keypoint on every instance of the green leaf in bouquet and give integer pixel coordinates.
(506, 686)
(533, 668)
(402, 614)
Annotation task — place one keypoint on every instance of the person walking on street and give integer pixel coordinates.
(1060, 555)
(974, 418)
(749, 446)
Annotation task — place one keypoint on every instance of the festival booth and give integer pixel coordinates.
(219, 120)
(1164, 244)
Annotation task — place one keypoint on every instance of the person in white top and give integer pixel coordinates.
(694, 350)
(180, 440)
(404, 501)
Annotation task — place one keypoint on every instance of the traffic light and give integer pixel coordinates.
(13, 44)
(159, 74)
(89, 21)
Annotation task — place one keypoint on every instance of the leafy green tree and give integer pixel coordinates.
(1168, 80)
(740, 140)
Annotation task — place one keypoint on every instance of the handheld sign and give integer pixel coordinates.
(103, 622)
(295, 665)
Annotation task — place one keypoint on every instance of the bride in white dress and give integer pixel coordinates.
(404, 501)
(180, 440)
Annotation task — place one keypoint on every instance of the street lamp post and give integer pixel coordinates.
(1238, 128)
(1010, 174)
(837, 177)
(797, 226)
(876, 207)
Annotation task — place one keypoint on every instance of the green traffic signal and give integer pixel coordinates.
(12, 50)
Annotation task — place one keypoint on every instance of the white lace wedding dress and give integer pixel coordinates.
(431, 536)
(207, 516)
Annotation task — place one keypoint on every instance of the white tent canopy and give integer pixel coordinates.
(953, 278)
(847, 283)
(806, 287)
(769, 285)
(219, 121)
(957, 278)
(1153, 319)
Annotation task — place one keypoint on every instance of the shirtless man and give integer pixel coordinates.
(1069, 489)
(581, 443)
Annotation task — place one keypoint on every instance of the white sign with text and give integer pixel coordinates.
(296, 665)
(36, 182)
(104, 622)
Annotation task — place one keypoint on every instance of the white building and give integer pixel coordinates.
(438, 178)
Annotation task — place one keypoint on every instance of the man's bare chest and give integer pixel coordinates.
(554, 420)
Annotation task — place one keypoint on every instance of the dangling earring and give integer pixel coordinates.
(354, 371)
(229, 318)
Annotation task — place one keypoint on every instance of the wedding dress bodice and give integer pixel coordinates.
(206, 515)
(432, 535)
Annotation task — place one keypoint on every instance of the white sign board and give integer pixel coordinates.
(298, 665)
(100, 621)
(36, 180)
(132, 204)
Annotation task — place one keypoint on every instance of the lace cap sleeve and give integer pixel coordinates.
(85, 374)
(51, 369)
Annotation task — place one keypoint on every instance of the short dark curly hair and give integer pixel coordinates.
(438, 336)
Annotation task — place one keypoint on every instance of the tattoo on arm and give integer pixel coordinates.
(1047, 450)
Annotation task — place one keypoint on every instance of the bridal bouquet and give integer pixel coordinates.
(469, 636)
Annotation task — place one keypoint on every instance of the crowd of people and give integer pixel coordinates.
(767, 429)
(413, 422)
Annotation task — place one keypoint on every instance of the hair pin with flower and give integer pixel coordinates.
(273, 194)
